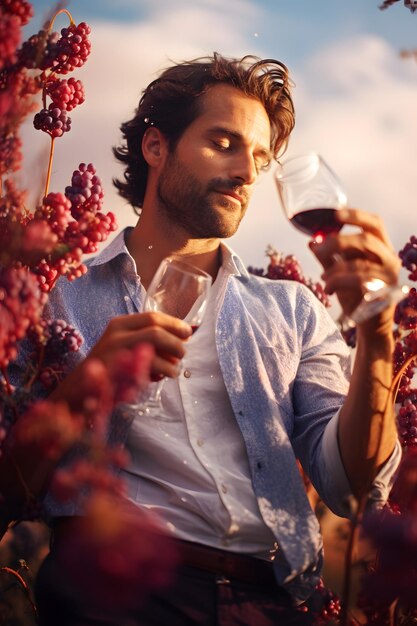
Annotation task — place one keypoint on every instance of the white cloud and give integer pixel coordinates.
(355, 104)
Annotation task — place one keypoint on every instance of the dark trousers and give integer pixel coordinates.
(196, 598)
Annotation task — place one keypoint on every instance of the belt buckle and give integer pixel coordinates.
(222, 580)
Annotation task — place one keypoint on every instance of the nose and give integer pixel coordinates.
(243, 168)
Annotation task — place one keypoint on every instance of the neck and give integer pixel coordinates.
(148, 245)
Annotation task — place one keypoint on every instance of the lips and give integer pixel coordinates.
(231, 194)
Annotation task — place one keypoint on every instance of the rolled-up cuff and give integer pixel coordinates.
(340, 498)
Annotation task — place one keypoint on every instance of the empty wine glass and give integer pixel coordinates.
(181, 290)
(311, 194)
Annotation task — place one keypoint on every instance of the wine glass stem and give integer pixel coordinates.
(155, 392)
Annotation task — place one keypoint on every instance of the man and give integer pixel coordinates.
(264, 381)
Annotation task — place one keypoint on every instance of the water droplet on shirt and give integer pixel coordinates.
(150, 247)
(146, 120)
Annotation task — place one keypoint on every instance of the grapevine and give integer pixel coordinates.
(38, 245)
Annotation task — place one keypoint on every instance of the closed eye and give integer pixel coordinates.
(222, 144)
(262, 164)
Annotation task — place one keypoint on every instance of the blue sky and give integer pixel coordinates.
(355, 97)
(295, 26)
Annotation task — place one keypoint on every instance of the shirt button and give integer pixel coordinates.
(200, 442)
(223, 488)
(187, 373)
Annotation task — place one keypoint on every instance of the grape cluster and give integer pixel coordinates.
(72, 48)
(408, 256)
(75, 237)
(11, 203)
(85, 192)
(406, 311)
(9, 39)
(58, 340)
(61, 339)
(405, 349)
(10, 153)
(46, 275)
(282, 267)
(61, 53)
(330, 611)
(405, 390)
(407, 423)
(39, 51)
(21, 304)
(65, 94)
(20, 8)
(55, 210)
(53, 121)
(90, 230)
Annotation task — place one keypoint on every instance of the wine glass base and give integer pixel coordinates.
(375, 302)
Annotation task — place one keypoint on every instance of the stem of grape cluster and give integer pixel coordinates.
(59, 13)
(51, 158)
(362, 503)
(397, 378)
(22, 582)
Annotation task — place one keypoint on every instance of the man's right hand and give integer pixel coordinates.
(165, 333)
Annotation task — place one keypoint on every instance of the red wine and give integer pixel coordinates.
(194, 327)
(156, 378)
(317, 222)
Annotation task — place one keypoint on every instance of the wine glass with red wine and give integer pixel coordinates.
(311, 194)
(179, 289)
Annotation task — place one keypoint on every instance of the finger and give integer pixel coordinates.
(161, 367)
(138, 321)
(355, 275)
(368, 222)
(163, 341)
(358, 245)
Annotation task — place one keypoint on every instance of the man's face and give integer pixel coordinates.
(206, 183)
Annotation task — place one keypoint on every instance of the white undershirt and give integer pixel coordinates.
(193, 471)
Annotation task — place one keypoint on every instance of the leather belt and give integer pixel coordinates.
(232, 565)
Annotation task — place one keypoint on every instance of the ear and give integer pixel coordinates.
(154, 146)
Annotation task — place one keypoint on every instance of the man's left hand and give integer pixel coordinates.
(351, 260)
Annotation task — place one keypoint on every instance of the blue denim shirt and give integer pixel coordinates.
(286, 369)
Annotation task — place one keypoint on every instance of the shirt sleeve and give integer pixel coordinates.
(345, 504)
(319, 392)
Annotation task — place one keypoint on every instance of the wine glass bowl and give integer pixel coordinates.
(310, 194)
(181, 290)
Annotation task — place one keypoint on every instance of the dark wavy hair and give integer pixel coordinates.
(172, 102)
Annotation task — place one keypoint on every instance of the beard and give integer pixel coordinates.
(190, 204)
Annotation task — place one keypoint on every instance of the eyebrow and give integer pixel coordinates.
(239, 137)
